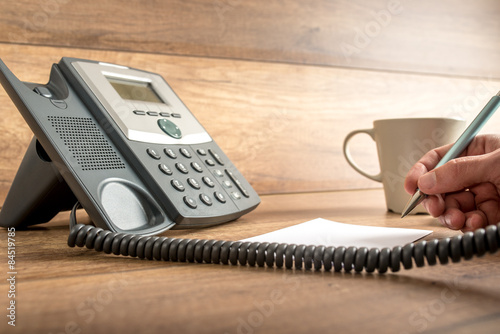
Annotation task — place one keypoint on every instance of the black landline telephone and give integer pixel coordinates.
(120, 143)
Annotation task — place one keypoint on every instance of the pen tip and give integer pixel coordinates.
(415, 200)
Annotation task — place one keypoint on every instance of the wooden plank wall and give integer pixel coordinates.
(278, 84)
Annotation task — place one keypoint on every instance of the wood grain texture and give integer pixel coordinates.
(451, 37)
(62, 289)
(282, 125)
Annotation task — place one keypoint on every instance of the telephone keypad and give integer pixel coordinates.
(183, 155)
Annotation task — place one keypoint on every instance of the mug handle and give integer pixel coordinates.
(348, 157)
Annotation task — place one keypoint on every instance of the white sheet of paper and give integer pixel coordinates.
(329, 233)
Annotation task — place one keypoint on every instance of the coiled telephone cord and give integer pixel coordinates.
(288, 255)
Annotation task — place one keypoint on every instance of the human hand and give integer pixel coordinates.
(464, 193)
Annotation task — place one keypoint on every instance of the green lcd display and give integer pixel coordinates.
(134, 90)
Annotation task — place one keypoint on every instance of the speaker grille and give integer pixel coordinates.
(87, 143)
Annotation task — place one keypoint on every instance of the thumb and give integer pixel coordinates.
(455, 175)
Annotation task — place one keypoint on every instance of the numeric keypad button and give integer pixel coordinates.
(181, 168)
(193, 183)
(178, 185)
(208, 181)
(191, 202)
(153, 153)
(206, 199)
(165, 169)
(220, 196)
(196, 166)
(170, 153)
(185, 152)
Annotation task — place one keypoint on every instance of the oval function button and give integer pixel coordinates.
(216, 157)
(170, 128)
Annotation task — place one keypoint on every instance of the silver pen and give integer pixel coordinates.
(462, 142)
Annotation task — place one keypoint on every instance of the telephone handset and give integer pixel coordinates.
(120, 143)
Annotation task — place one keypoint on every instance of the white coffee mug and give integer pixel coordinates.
(401, 142)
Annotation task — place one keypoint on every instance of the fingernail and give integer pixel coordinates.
(445, 220)
(427, 181)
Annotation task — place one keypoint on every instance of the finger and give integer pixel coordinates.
(435, 205)
(457, 174)
(412, 177)
(474, 220)
(487, 200)
(481, 144)
(457, 205)
(424, 165)
(463, 201)
(453, 218)
(431, 158)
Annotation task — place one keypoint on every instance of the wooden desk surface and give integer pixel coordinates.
(65, 290)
